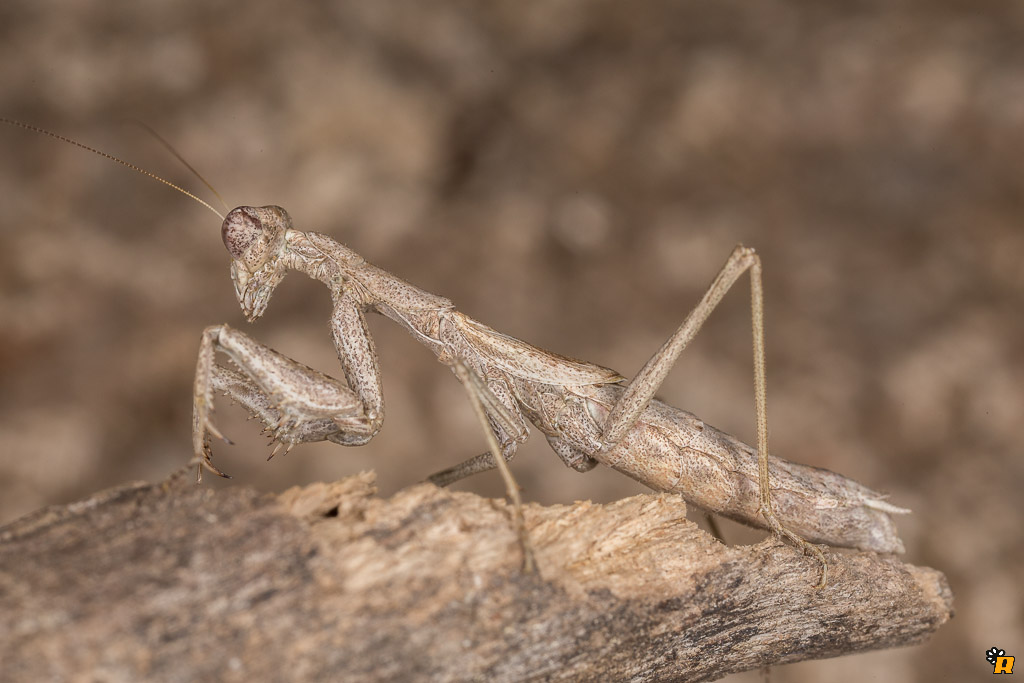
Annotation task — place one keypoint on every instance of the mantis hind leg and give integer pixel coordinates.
(641, 389)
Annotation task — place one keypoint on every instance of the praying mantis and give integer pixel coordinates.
(589, 414)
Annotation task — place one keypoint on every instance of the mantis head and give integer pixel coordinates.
(255, 238)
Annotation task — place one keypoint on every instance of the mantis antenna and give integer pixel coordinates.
(111, 157)
(170, 148)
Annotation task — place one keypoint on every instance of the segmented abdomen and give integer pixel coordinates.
(673, 451)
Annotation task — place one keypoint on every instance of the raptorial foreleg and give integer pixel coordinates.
(248, 394)
(295, 402)
(302, 396)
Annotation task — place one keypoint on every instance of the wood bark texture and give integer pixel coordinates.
(175, 582)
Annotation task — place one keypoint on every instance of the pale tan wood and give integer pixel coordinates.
(329, 582)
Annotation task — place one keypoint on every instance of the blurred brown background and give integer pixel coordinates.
(570, 172)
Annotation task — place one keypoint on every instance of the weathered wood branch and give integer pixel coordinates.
(328, 582)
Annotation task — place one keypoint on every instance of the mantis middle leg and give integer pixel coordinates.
(497, 416)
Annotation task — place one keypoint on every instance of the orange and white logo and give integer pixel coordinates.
(1001, 663)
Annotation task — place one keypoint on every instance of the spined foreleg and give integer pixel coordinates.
(296, 403)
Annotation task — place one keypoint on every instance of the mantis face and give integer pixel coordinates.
(255, 238)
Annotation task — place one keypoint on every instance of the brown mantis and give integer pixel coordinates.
(589, 414)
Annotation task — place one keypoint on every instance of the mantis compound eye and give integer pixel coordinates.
(240, 230)
(254, 235)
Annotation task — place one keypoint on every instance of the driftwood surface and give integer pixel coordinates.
(175, 582)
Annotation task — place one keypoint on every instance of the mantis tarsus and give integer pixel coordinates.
(589, 414)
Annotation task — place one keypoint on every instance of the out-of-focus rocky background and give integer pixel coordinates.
(569, 172)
